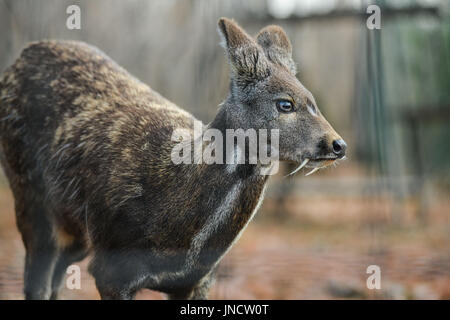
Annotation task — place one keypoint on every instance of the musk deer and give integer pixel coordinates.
(86, 148)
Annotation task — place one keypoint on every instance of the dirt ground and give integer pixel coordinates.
(319, 250)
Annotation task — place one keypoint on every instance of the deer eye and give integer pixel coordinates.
(285, 106)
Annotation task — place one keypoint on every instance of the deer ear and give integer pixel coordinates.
(246, 58)
(277, 47)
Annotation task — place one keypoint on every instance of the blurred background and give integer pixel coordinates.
(385, 91)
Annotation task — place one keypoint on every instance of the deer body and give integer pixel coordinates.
(86, 148)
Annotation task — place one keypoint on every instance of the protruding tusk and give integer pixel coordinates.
(299, 167)
(312, 171)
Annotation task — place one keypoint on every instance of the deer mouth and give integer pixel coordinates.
(322, 159)
(315, 163)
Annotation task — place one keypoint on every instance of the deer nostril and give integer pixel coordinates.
(339, 147)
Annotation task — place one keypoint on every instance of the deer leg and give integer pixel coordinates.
(118, 276)
(74, 253)
(39, 265)
(197, 292)
(112, 290)
(41, 254)
(111, 293)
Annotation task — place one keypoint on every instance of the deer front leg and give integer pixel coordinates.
(117, 277)
(198, 292)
